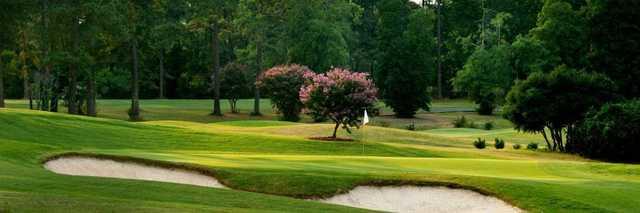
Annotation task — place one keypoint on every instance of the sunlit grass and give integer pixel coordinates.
(276, 157)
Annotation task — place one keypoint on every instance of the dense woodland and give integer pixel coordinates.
(565, 57)
(81, 50)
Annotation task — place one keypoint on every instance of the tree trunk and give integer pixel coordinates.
(544, 133)
(25, 87)
(134, 113)
(232, 104)
(1, 85)
(44, 82)
(30, 100)
(335, 130)
(73, 71)
(440, 48)
(215, 69)
(161, 96)
(91, 95)
(24, 68)
(256, 97)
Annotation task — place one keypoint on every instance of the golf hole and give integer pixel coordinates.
(420, 199)
(86, 166)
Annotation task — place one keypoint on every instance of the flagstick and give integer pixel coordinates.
(364, 138)
(365, 120)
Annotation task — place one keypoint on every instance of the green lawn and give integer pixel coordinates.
(268, 162)
(442, 115)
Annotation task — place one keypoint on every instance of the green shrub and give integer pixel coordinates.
(411, 127)
(460, 122)
(480, 143)
(488, 125)
(499, 143)
(532, 146)
(516, 146)
(235, 84)
(282, 85)
(610, 133)
(486, 107)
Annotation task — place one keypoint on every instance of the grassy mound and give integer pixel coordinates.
(278, 160)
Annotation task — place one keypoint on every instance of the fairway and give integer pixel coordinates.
(272, 163)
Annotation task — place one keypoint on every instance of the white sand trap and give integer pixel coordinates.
(420, 199)
(84, 166)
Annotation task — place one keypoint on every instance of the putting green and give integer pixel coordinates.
(276, 158)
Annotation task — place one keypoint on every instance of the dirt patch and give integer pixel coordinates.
(332, 139)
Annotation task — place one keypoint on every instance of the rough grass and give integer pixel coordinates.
(275, 158)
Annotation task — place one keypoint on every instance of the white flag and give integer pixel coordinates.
(365, 120)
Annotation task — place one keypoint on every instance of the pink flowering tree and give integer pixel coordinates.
(339, 95)
(282, 84)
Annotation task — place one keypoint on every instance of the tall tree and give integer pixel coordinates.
(212, 16)
(165, 34)
(262, 23)
(134, 18)
(558, 22)
(319, 32)
(439, 5)
(403, 35)
(615, 36)
(9, 11)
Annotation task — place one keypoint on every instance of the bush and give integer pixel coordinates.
(610, 133)
(516, 146)
(532, 146)
(488, 125)
(340, 95)
(480, 143)
(282, 84)
(499, 143)
(460, 122)
(486, 107)
(485, 77)
(556, 101)
(463, 122)
(234, 84)
(411, 127)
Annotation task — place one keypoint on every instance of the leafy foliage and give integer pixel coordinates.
(609, 133)
(403, 76)
(499, 143)
(615, 36)
(532, 146)
(489, 125)
(340, 95)
(235, 83)
(556, 102)
(517, 146)
(282, 84)
(480, 143)
(563, 31)
(486, 77)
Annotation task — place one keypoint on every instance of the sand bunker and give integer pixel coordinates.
(84, 166)
(420, 199)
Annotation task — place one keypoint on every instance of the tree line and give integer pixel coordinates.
(73, 52)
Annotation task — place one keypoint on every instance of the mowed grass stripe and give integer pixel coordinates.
(284, 164)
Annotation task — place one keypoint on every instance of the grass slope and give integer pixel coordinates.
(275, 158)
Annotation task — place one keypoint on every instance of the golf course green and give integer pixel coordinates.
(271, 164)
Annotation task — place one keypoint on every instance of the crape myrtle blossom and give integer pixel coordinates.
(339, 95)
(282, 84)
